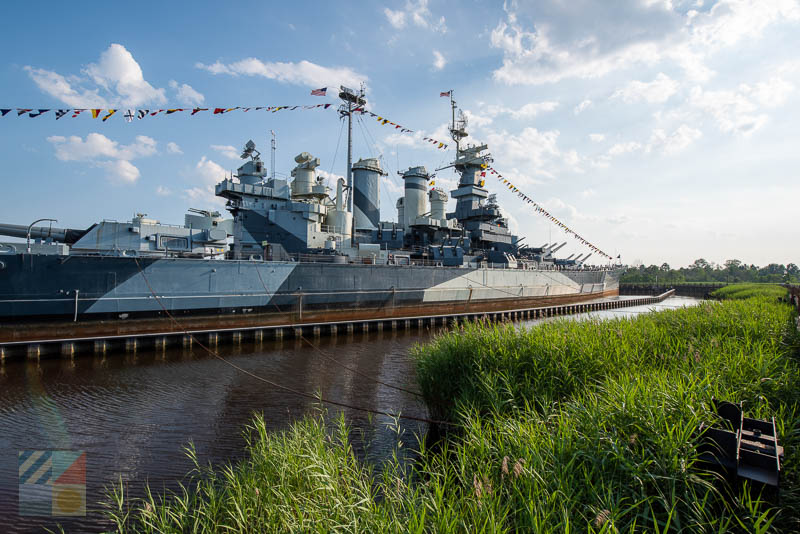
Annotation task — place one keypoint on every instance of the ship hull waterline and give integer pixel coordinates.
(50, 298)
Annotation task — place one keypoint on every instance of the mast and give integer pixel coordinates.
(350, 97)
(272, 159)
(457, 130)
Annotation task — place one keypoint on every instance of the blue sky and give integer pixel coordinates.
(660, 130)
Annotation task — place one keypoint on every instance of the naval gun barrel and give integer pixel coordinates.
(559, 247)
(62, 235)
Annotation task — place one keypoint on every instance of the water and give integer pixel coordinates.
(134, 413)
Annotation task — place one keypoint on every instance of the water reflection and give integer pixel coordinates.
(133, 413)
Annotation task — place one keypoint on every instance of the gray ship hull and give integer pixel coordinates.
(62, 297)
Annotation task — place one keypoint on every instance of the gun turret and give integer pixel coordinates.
(62, 235)
(554, 250)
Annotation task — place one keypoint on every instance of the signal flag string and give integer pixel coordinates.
(318, 398)
(539, 209)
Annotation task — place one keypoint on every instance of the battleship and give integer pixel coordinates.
(293, 251)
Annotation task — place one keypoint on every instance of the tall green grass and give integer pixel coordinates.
(746, 291)
(565, 426)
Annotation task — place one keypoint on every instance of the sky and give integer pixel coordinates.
(660, 130)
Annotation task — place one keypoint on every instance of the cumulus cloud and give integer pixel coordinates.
(173, 148)
(163, 191)
(438, 60)
(596, 138)
(115, 79)
(733, 111)
(301, 73)
(583, 106)
(527, 111)
(230, 152)
(678, 140)
(624, 148)
(208, 174)
(186, 94)
(102, 152)
(655, 92)
(120, 170)
(416, 13)
(531, 149)
(545, 42)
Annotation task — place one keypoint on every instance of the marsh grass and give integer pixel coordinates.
(565, 426)
(746, 291)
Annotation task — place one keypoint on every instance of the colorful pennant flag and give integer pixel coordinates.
(129, 115)
(37, 113)
(110, 112)
(4, 111)
(61, 112)
(544, 212)
(95, 113)
(142, 113)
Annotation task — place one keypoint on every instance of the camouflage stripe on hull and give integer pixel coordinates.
(114, 297)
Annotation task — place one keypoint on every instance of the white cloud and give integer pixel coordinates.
(209, 174)
(116, 75)
(97, 145)
(527, 111)
(624, 148)
(396, 18)
(547, 42)
(655, 92)
(301, 73)
(531, 149)
(416, 13)
(733, 111)
(331, 179)
(230, 152)
(588, 193)
(674, 142)
(120, 170)
(438, 60)
(62, 89)
(597, 138)
(163, 191)
(173, 148)
(771, 93)
(186, 94)
(580, 108)
(105, 153)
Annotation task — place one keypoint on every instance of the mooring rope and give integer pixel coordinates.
(288, 389)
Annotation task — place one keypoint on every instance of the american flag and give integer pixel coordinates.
(444, 93)
(319, 92)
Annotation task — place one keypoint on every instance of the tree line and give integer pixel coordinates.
(732, 271)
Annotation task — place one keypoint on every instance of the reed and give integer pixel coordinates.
(746, 291)
(565, 426)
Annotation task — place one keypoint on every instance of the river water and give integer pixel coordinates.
(134, 413)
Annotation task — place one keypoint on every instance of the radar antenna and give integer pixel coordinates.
(250, 151)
